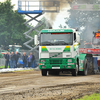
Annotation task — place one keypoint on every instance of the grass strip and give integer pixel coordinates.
(95, 96)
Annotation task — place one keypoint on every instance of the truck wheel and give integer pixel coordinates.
(85, 72)
(44, 72)
(75, 71)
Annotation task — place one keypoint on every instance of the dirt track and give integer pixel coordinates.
(30, 85)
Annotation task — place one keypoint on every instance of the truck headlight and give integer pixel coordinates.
(69, 60)
(42, 60)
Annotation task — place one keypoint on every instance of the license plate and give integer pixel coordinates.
(55, 67)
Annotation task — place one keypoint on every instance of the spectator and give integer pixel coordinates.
(12, 61)
(24, 58)
(9, 60)
(32, 58)
(6, 59)
(29, 61)
(16, 59)
(4, 55)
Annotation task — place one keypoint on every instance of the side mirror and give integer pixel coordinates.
(36, 40)
(77, 29)
(78, 38)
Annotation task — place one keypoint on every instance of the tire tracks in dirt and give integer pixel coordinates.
(58, 92)
(32, 86)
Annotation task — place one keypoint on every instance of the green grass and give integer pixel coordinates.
(95, 96)
(2, 66)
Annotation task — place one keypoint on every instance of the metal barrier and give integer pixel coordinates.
(2, 61)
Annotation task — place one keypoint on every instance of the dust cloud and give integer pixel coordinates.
(50, 5)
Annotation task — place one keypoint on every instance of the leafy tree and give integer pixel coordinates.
(11, 25)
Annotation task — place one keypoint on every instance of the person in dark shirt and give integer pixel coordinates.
(32, 58)
(9, 60)
(16, 59)
(4, 55)
(24, 58)
(29, 61)
(12, 60)
(6, 59)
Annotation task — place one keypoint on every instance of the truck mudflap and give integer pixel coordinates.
(81, 62)
(85, 71)
(83, 67)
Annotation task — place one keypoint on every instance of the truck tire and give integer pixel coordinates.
(75, 71)
(85, 72)
(44, 72)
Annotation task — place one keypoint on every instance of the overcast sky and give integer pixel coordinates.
(13, 2)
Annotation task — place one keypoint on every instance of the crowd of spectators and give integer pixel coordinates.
(28, 59)
(11, 59)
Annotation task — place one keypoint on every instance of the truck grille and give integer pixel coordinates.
(55, 61)
(55, 55)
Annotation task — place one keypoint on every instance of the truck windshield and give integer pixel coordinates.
(56, 39)
(96, 41)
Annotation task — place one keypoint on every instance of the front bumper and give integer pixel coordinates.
(57, 63)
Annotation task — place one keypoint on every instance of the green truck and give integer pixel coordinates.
(59, 52)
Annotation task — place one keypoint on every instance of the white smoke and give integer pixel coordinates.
(57, 18)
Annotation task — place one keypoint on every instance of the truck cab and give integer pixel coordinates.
(58, 51)
(96, 40)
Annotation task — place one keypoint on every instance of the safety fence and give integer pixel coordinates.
(2, 61)
(36, 54)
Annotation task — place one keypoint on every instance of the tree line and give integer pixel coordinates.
(11, 26)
